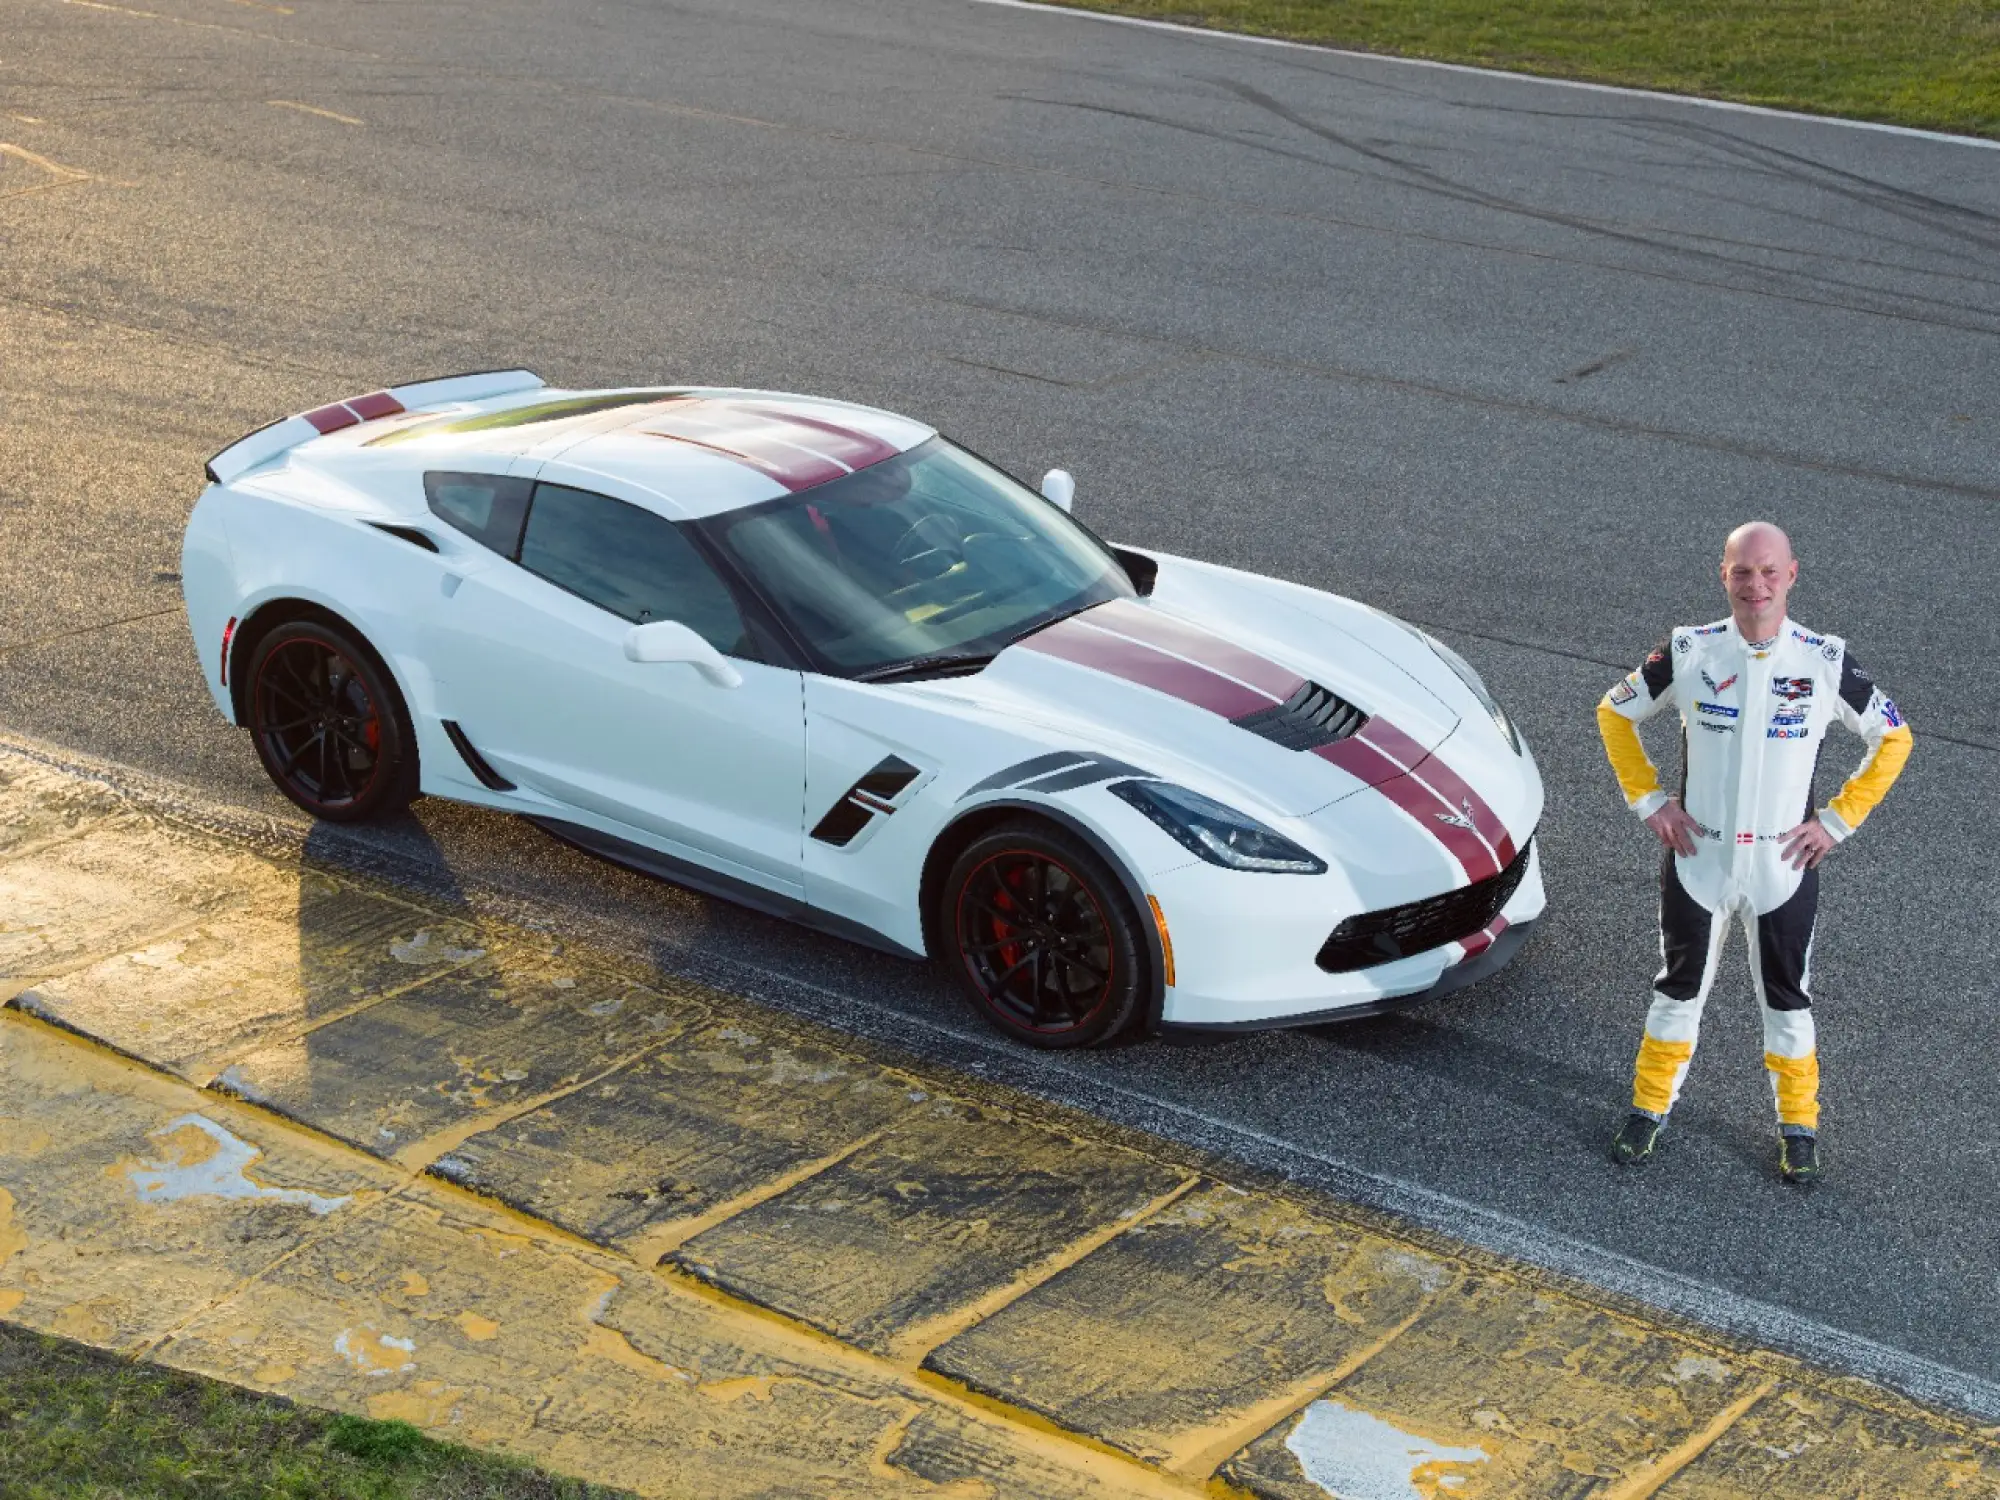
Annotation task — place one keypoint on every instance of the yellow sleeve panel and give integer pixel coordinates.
(1637, 775)
(1871, 783)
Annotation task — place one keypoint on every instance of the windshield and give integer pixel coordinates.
(931, 554)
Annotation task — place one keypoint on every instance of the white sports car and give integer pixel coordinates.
(815, 658)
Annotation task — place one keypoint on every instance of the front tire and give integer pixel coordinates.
(1041, 935)
(329, 725)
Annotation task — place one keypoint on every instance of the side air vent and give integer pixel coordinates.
(1311, 717)
(489, 778)
(409, 534)
(873, 796)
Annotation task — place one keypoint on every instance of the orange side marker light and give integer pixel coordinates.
(1166, 942)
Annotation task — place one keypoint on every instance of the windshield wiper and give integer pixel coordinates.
(957, 664)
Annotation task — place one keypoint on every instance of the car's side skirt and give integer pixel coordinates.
(710, 882)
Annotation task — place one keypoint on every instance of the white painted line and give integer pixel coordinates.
(313, 109)
(1205, 33)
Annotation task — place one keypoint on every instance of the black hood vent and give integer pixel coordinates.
(1311, 717)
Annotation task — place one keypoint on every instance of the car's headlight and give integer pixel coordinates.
(1219, 834)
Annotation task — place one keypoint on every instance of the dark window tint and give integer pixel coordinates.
(629, 561)
(486, 507)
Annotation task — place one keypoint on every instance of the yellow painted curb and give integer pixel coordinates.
(276, 1124)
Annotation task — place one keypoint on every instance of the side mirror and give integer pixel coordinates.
(670, 640)
(1059, 489)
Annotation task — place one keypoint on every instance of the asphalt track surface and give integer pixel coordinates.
(1504, 358)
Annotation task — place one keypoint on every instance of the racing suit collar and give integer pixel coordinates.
(1752, 648)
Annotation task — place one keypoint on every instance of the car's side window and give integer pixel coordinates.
(489, 508)
(637, 565)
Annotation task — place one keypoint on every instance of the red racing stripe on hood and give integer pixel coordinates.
(1074, 640)
(1369, 763)
(1183, 638)
(1448, 784)
(1138, 645)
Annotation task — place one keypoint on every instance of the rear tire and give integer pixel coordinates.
(1040, 933)
(329, 725)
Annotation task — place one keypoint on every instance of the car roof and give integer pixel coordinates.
(685, 452)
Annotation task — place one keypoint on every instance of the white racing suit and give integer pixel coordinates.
(1753, 724)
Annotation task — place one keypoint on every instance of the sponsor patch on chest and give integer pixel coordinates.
(1792, 689)
(1793, 732)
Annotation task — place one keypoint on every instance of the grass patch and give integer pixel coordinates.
(1929, 63)
(76, 1423)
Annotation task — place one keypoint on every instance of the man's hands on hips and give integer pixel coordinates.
(1677, 830)
(1806, 845)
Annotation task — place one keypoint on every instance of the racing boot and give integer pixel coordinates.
(1798, 1158)
(1635, 1139)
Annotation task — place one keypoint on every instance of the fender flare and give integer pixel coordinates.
(1153, 1002)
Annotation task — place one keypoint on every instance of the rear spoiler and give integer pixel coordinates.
(266, 443)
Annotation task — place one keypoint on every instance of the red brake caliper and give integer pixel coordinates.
(1010, 954)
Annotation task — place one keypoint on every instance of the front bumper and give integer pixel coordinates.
(1244, 949)
(1465, 972)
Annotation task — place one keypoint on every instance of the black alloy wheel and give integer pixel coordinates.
(329, 726)
(1045, 938)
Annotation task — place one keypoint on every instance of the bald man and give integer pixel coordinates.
(1757, 693)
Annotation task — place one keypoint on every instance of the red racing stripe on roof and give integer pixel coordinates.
(1184, 638)
(799, 452)
(850, 445)
(1073, 640)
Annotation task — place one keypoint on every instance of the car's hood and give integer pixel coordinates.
(1167, 682)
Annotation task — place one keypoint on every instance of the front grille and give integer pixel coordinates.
(1311, 717)
(1380, 937)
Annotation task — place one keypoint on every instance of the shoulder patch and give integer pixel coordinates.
(1624, 692)
(1658, 671)
(1856, 686)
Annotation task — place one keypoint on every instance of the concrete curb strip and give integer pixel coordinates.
(280, 1123)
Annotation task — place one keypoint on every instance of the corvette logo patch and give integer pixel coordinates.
(1460, 819)
(1719, 687)
(1790, 688)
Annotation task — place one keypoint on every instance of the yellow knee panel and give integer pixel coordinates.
(1796, 1082)
(1658, 1069)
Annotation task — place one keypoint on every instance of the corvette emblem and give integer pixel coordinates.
(1719, 687)
(1460, 819)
